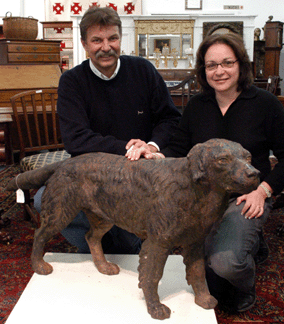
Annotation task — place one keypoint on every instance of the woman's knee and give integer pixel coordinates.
(222, 263)
(239, 272)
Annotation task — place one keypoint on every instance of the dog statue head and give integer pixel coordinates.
(230, 165)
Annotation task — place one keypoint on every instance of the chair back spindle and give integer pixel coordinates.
(186, 89)
(35, 115)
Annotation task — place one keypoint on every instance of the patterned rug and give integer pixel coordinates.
(16, 270)
(7, 198)
(269, 306)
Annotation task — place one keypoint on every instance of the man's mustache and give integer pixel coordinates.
(108, 54)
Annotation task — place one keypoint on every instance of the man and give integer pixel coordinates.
(105, 102)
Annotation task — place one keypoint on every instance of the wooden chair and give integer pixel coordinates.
(35, 116)
(185, 89)
(272, 83)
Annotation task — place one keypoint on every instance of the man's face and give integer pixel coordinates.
(103, 46)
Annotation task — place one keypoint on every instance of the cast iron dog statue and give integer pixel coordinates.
(168, 202)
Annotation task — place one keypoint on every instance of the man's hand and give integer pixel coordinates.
(137, 148)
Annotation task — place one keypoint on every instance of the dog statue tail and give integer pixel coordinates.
(33, 179)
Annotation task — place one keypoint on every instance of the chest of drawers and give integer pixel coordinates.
(29, 52)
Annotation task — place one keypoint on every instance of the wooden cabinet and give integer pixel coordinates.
(24, 65)
(15, 78)
(29, 52)
(63, 31)
(273, 46)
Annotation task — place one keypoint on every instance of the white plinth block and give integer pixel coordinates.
(77, 293)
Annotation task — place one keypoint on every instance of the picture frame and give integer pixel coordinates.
(193, 4)
(222, 27)
(160, 42)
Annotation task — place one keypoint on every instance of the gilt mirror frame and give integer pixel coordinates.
(162, 29)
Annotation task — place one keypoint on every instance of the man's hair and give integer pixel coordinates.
(99, 16)
(235, 42)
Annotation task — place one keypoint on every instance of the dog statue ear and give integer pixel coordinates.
(196, 161)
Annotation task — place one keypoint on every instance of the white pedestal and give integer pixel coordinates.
(77, 293)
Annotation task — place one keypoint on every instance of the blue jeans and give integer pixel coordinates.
(115, 241)
(230, 247)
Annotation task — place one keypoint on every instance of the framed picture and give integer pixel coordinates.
(210, 28)
(193, 4)
(161, 42)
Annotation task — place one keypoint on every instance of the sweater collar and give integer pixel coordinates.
(100, 74)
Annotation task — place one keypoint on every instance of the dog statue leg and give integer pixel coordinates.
(38, 264)
(195, 276)
(54, 218)
(152, 259)
(94, 237)
(42, 235)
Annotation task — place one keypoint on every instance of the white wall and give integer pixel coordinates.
(24, 8)
(14, 6)
(261, 8)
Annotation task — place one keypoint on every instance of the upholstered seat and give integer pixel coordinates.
(39, 160)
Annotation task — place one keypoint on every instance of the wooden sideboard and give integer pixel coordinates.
(29, 52)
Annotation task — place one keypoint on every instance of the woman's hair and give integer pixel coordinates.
(235, 42)
(99, 16)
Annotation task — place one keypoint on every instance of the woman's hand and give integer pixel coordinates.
(137, 148)
(254, 202)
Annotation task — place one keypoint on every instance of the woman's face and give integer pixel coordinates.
(222, 78)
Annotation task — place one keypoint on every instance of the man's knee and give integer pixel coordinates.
(37, 199)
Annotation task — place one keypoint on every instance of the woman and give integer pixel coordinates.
(231, 107)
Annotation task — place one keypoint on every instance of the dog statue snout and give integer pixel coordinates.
(251, 171)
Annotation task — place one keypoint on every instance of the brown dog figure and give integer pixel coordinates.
(168, 202)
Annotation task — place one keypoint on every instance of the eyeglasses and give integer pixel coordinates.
(211, 66)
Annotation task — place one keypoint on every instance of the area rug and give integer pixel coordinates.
(7, 198)
(269, 306)
(15, 264)
(16, 269)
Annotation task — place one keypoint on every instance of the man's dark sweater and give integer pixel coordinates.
(102, 116)
(255, 120)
